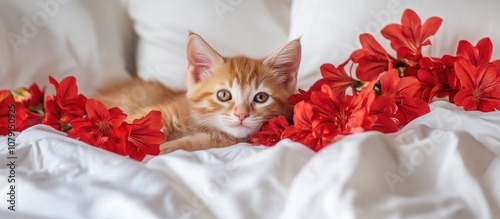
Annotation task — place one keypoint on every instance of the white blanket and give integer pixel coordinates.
(445, 164)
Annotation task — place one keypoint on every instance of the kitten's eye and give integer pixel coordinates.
(224, 95)
(261, 97)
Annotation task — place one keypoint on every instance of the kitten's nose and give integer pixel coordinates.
(241, 116)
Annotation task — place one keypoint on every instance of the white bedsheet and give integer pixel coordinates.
(445, 164)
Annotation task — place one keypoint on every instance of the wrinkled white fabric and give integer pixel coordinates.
(445, 164)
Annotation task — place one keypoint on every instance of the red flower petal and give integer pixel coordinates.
(372, 58)
(29, 106)
(478, 55)
(144, 135)
(100, 128)
(480, 86)
(430, 27)
(301, 131)
(270, 132)
(97, 112)
(66, 89)
(384, 107)
(300, 96)
(65, 106)
(56, 117)
(8, 109)
(437, 78)
(338, 78)
(327, 115)
(303, 114)
(403, 90)
(408, 38)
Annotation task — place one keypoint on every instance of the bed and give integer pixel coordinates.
(444, 164)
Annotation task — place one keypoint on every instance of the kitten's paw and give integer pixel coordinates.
(170, 146)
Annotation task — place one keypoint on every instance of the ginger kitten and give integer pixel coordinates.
(227, 98)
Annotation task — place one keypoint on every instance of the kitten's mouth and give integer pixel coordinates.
(241, 125)
(240, 129)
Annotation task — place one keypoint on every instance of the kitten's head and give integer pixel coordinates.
(237, 94)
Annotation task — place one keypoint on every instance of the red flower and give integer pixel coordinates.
(384, 107)
(338, 78)
(144, 136)
(270, 132)
(427, 78)
(372, 59)
(403, 91)
(480, 86)
(65, 106)
(8, 109)
(100, 128)
(56, 117)
(302, 129)
(437, 78)
(32, 100)
(67, 95)
(408, 37)
(302, 94)
(497, 63)
(329, 115)
(6, 95)
(478, 55)
(24, 118)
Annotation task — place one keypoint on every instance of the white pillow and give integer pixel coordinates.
(232, 27)
(331, 29)
(92, 40)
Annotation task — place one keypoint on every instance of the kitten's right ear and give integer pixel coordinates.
(285, 63)
(200, 58)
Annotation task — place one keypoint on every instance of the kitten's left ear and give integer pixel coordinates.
(285, 63)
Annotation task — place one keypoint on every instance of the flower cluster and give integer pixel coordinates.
(387, 92)
(85, 119)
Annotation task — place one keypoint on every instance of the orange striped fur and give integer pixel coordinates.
(198, 119)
